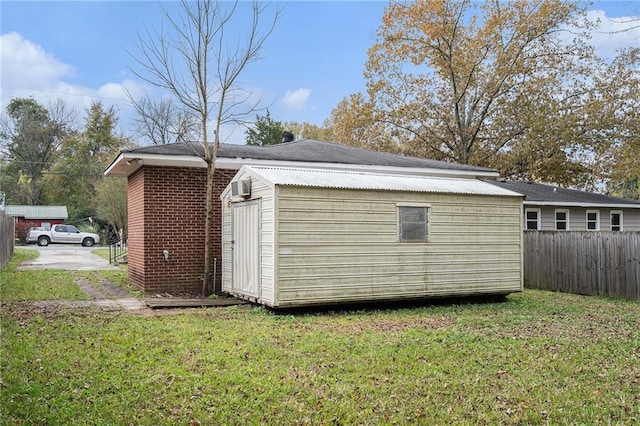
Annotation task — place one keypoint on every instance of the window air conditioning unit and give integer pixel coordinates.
(241, 188)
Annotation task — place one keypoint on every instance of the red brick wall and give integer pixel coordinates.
(166, 212)
(135, 228)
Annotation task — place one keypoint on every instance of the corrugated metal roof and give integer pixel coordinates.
(37, 212)
(321, 178)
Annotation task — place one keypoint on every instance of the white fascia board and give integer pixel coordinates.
(111, 167)
(584, 205)
(129, 162)
(237, 163)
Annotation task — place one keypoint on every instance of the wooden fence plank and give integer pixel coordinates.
(583, 262)
(7, 230)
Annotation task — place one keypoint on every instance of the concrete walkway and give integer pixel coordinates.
(129, 304)
(109, 296)
(103, 294)
(72, 257)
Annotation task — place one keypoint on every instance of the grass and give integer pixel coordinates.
(103, 252)
(36, 285)
(539, 357)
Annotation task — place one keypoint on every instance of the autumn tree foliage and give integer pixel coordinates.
(309, 130)
(512, 85)
(621, 101)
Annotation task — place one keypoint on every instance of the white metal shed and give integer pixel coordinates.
(300, 237)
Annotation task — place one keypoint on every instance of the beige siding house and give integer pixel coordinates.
(303, 236)
(550, 208)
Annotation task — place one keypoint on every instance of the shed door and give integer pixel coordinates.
(245, 246)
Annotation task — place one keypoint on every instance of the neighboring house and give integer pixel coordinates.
(306, 236)
(548, 207)
(166, 206)
(44, 216)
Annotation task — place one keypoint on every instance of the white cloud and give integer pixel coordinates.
(296, 99)
(29, 71)
(27, 65)
(613, 33)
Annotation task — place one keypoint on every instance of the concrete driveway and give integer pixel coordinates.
(66, 256)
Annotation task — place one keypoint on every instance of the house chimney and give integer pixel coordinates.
(287, 137)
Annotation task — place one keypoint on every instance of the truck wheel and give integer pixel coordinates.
(43, 241)
(88, 242)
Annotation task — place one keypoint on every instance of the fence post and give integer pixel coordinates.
(7, 238)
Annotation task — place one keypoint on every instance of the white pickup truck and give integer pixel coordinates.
(62, 234)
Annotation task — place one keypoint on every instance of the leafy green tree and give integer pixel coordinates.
(110, 203)
(82, 161)
(265, 131)
(30, 139)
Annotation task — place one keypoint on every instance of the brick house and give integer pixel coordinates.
(166, 199)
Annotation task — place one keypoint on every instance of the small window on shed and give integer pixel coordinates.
(413, 223)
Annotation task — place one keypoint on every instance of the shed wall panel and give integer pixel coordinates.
(339, 246)
(263, 192)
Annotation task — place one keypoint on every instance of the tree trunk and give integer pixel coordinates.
(208, 222)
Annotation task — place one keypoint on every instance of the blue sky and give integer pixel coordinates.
(77, 51)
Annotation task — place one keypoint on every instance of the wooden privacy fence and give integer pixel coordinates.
(7, 235)
(593, 263)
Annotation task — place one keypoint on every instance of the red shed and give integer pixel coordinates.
(45, 216)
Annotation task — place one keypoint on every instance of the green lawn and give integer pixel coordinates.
(540, 357)
(36, 285)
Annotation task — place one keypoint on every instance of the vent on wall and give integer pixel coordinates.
(241, 188)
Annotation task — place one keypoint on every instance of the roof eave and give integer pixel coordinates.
(580, 204)
(237, 163)
(129, 162)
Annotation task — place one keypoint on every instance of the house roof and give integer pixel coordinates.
(540, 194)
(303, 152)
(37, 212)
(342, 179)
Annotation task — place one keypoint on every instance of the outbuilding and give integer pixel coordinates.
(294, 236)
(43, 216)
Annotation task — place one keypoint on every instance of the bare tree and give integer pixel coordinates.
(161, 121)
(199, 63)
